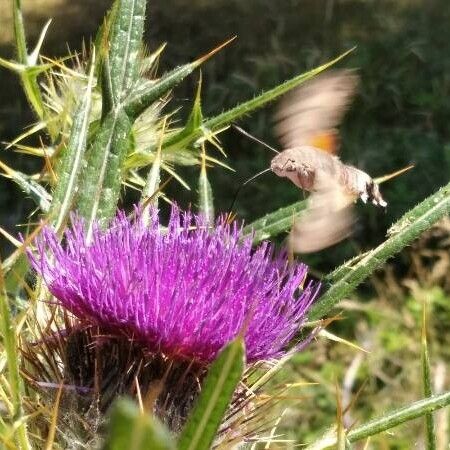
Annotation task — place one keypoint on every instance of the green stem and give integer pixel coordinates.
(399, 416)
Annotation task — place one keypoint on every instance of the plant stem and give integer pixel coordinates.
(399, 416)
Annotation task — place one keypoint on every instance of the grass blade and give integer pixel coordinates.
(10, 343)
(426, 381)
(218, 389)
(408, 228)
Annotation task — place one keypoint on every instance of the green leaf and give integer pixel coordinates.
(125, 44)
(402, 233)
(70, 165)
(132, 429)
(219, 386)
(101, 179)
(274, 223)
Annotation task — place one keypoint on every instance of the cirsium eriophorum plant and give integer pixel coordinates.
(108, 125)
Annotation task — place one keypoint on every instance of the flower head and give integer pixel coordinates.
(183, 291)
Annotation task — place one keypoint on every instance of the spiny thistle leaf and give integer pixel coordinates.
(102, 178)
(70, 164)
(402, 233)
(125, 43)
(218, 389)
(135, 430)
(224, 119)
(150, 91)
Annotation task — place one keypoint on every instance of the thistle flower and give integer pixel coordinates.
(185, 291)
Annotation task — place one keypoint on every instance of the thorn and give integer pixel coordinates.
(33, 57)
(10, 238)
(7, 170)
(208, 55)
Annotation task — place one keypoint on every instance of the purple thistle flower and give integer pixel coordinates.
(185, 291)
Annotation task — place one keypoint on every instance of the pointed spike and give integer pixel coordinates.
(208, 55)
(199, 88)
(6, 169)
(33, 57)
(384, 178)
(10, 238)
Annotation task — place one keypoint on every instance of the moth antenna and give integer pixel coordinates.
(253, 138)
(389, 176)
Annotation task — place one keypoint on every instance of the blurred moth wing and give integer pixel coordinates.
(328, 219)
(306, 124)
(310, 114)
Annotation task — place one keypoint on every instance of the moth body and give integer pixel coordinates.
(306, 124)
(301, 165)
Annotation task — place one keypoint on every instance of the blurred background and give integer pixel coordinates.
(401, 115)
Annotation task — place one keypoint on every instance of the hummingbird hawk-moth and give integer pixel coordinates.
(306, 124)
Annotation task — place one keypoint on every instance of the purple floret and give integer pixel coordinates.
(184, 291)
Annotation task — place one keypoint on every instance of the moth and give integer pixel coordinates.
(306, 124)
